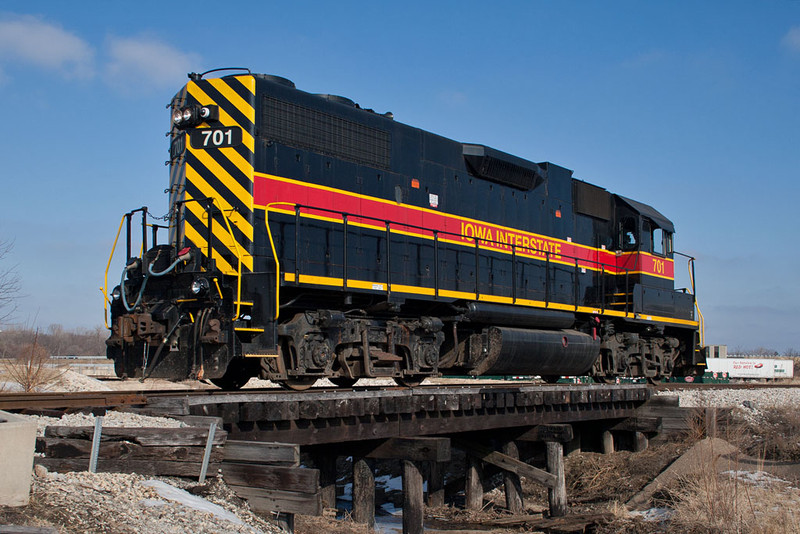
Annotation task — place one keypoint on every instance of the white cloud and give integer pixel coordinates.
(28, 39)
(146, 60)
(791, 40)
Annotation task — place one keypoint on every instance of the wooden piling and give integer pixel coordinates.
(326, 463)
(608, 442)
(473, 487)
(413, 506)
(436, 484)
(363, 492)
(557, 496)
(511, 481)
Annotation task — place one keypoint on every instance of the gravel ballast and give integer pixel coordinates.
(731, 398)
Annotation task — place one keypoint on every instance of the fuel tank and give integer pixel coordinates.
(503, 351)
(498, 314)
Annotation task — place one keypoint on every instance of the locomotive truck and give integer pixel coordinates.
(308, 237)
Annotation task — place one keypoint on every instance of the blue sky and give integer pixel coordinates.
(691, 107)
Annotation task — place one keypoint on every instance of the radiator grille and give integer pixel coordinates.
(311, 129)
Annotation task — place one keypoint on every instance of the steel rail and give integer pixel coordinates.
(110, 399)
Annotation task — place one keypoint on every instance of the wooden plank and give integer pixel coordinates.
(507, 463)
(560, 433)
(415, 449)
(143, 436)
(298, 479)
(413, 505)
(262, 452)
(142, 467)
(663, 400)
(123, 450)
(270, 500)
(203, 421)
(639, 424)
(168, 405)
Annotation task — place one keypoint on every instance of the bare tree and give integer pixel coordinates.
(32, 368)
(9, 282)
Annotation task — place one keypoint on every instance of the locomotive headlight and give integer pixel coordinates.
(187, 114)
(200, 286)
(177, 117)
(116, 293)
(209, 113)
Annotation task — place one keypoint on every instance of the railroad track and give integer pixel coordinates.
(109, 399)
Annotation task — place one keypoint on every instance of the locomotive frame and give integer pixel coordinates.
(310, 238)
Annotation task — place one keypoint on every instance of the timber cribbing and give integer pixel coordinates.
(312, 418)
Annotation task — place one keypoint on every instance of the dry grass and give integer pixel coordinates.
(711, 502)
(313, 525)
(594, 477)
(771, 434)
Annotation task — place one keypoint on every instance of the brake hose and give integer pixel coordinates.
(148, 274)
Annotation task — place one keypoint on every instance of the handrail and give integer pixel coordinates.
(104, 289)
(239, 257)
(211, 204)
(700, 318)
(454, 234)
(275, 256)
(386, 223)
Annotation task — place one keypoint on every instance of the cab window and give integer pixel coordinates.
(661, 242)
(657, 240)
(628, 234)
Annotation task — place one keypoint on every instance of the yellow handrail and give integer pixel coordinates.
(701, 319)
(275, 255)
(104, 289)
(238, 266)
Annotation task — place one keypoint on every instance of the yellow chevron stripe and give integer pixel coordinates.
(222, 236)
(233, 97)
(228, 181)
(197, 238)
(236, 218)
(241, 163)
(224, 118)
(249, 82)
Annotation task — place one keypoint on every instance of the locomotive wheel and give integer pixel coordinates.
(298, 384)
(409, 381)
(343, 381)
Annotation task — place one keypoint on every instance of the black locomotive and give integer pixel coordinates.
(309, 237)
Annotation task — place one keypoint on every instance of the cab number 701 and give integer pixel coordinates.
(215, 137)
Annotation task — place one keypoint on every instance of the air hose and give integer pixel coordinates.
(150, 272)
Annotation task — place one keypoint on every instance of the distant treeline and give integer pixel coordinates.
(55, 340)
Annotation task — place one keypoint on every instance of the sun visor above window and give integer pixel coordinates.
(491, 164)
(649, 213)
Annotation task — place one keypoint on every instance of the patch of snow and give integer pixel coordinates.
(756, 478)
(654, 514)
